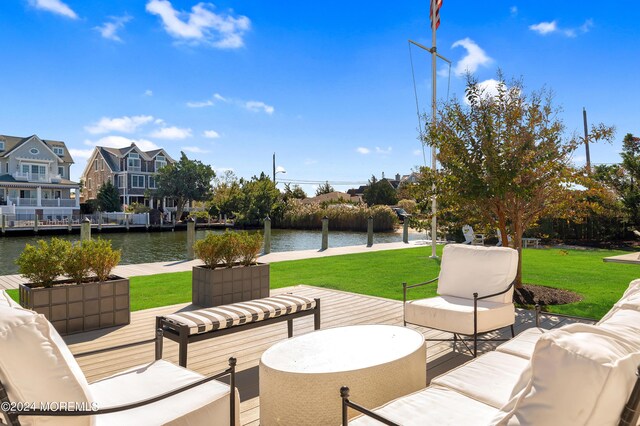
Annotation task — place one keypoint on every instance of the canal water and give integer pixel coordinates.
(145, 247)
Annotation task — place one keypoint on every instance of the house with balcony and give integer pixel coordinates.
(34, 178)
(131, 170)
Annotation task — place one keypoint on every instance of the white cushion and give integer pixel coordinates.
(455, 314)
(474, 269)
(36, 365)
(489, 378)
(523, 344)
(629, 300)
(580, 374)
(434, 405)
(205, 404)
(6, 300)
(625, 323)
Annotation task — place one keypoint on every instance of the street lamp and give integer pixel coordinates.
(276, 170)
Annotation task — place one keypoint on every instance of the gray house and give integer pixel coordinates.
(34, 177)
(131, 170)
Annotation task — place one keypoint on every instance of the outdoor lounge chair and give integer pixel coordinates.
(499, 235)
(471, 237)
(38, 374)
(475, 293)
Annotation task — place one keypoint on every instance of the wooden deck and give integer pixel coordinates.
(210, 356)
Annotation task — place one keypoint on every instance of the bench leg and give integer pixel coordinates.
(290, 328)
(159, 338)
(184, 342)
(316, 316)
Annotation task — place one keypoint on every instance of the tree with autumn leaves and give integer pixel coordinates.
(504, 161)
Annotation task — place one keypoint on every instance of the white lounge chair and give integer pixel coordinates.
(36, 367)
(471, 237)
(499, 234)
(475, 293)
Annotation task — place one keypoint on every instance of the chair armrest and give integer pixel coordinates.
(475, 295)
(13, 415)
(406, 287)
(346, 404)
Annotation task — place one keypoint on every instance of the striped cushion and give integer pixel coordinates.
(225, 316)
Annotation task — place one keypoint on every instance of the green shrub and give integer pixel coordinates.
(249, 247)
(102, 257)
(228, 248)
(208, 249)
(199, 216)
(342, 217)
(42, 264)
(137, 208)
(76, 264)
(408, 205)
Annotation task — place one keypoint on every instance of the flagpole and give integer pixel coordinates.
(434, 56)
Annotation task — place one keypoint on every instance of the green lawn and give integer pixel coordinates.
(382, 273)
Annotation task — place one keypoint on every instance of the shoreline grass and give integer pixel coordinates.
(381, 274)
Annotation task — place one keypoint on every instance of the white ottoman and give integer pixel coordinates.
(300, 378)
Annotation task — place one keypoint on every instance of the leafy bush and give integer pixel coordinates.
(76, 264)
(408, 205)
(228, 248)
(249, 248)
(137, 208)
(42, 264)
(200, 216)
(208, 249)
(102, 257)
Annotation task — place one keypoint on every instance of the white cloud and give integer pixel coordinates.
(474, 58)
(417, 152)
(219, 97)
(201, 25)
(199, 104)
(195, 149)
(383, 151)
(258, 106)
(80, 153)
(148, 92)
(172, 132)
(544, 28)
(123, 124)
(211, 134)
(122, 142)
(110, 28)
(513, 10)
(54, 6)
(363, 150)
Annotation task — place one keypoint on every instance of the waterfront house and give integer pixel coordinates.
(131, 170)
(34, 178)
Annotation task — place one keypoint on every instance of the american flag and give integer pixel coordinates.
(434, 13)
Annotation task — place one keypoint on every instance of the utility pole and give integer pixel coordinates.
(586, 140)
(274, 167)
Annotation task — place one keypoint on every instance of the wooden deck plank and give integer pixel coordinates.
(210, 356)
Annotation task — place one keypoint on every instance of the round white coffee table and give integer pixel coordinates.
(300, 378)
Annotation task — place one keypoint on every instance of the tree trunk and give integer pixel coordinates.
(179, 208)
(517, 244)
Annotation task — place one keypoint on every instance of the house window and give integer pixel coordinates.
(58, 150)
(121, 181)
(34, 151)
(152, 182)
(133, 161)
(161, 161)
(95, 165)
(101, 164)
(1, 145)
(89, 183)
(61, 171)
(137, 181)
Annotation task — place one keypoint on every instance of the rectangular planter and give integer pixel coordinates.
(221, 286)
(73, 308)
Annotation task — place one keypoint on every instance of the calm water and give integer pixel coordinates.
(145, 247)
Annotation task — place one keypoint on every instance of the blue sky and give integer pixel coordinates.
(325, 85)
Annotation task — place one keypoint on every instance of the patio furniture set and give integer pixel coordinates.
(473, 238)
(577, 374)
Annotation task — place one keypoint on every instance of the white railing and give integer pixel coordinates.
(31, 177)
(31, 202)
(134, 168)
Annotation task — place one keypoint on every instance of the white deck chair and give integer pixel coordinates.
(36, 367)
(499, 234)
(471, 237)
(475, 293)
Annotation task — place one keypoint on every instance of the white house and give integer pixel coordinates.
(34, 177)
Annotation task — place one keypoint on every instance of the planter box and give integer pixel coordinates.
(221, 286)
(73, 308)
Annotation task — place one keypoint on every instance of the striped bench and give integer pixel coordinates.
(193, 326)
